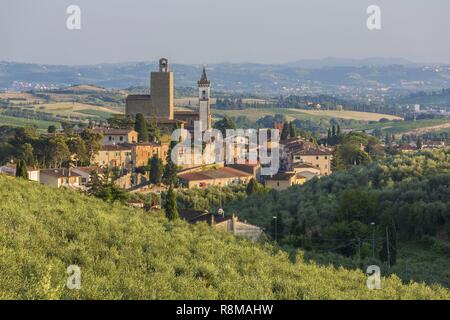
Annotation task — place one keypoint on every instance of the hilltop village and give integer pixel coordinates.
(134, 156)
(128, 153)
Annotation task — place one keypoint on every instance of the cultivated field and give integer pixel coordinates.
(20, 97)
(87, 87)
(355, 115)
(75, 109)
(314, 115)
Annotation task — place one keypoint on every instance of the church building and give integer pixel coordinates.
(158, 107)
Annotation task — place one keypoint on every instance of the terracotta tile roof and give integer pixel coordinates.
(140, 144)
(307, 175)
(113, 131)
(117, 147)
(281, 176)
(221, 173)
(303, 165)
(314, 152)
(60, 173)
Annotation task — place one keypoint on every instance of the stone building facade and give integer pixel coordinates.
(158, 107)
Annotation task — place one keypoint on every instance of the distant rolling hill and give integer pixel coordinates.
(328, 73)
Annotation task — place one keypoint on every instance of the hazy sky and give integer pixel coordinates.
(209, 31)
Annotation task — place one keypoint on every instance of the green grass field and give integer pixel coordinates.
(23, 122)
(98, 113)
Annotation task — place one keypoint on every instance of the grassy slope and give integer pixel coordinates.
(124, 253)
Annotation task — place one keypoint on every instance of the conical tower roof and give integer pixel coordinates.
(204, 79)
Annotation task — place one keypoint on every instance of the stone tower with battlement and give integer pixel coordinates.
(161, 87)
(160, 103)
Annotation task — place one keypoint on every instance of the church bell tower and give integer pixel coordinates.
(204, 92)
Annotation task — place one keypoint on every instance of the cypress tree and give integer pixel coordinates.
(156, 170)
(292, 132)
(419, 143)
(285, 131)
(21, 169)
(170, 169)
(51, 129)
(252, 186)
(170, 206)
(140, 127)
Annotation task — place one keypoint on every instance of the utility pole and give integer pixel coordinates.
(276, 228)
(373, 239)
(387, 247)
(359, 251)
